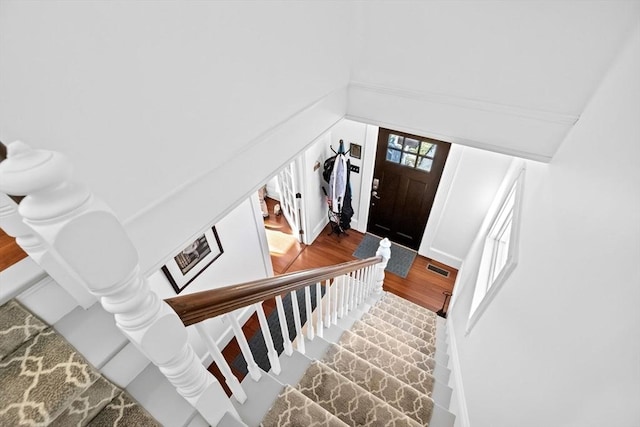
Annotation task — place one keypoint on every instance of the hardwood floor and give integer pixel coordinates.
(421, 286)
(10, 252)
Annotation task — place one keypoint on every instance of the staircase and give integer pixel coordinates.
(46, 382)
(384, 364)
(362, 357)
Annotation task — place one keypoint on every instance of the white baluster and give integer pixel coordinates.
(384, 250)
(82, 233)
(359, 287)
(334, 302)
(352, 291)
(341, 289)
(272, 354)
(230, 379)
(307, 301)
(284, 328)
(319, 322)
(358, 292)
(297, 323)
(327, 295)
(252, 366)
(363, 290)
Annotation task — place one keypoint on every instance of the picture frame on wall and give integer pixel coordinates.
(193, 260)
(355, 150)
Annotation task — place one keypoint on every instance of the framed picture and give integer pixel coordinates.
(193, 260)
(355, 150)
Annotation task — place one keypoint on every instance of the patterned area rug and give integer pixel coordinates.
(401, 257)
(377, 374)
(44, 381)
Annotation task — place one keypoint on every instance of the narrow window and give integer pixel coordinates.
(500, 253)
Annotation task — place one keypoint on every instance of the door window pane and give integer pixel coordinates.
(393, 155)
(395, 141)
(409, 160)
(427, 149)
(411, 145)
(425, 164)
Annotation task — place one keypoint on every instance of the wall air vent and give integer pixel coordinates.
(436, 269)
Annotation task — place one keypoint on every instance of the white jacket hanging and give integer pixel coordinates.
(338, 183)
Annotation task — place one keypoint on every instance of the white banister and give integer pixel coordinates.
(252, 366)
(82, 236)
(272, 354)
(307, 301)
(352, 291)
(297, 322)
(284, 328)
(319, 321)
(230, 379)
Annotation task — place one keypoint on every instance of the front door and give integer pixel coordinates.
(406, 176)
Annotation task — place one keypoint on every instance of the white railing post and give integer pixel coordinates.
(384, 250)
(284, 328)
(230, 379)
(327, 295)
(84, 236)
(296, 321)
(272, 354)
(252, 366)
(12, 224)
(307, 303)
(319, 320)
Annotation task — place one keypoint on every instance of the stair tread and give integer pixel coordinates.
(40, 378)
(348, 401)
(394, 392)
(17, 326)
(294, 408)
(391, 344)
(408, 338)
(389, 362)
(405, 304)
(407, 315)
(123, 411)
(88, 404)
(423, 334)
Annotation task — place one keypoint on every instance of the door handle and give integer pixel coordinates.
(374, 194)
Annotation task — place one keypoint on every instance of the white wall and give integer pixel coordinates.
(353, 132)
(469, 182)
(160, 104)
(559, 343)
(243, 260)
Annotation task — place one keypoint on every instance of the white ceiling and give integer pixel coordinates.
(537, 59)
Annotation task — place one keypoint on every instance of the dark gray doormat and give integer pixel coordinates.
(401, 257)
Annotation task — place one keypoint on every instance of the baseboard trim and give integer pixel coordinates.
(462, 413)
(444, 258)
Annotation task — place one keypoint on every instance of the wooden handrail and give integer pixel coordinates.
(3, 156)
(199, 306)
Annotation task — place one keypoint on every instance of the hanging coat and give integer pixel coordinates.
(338, 183)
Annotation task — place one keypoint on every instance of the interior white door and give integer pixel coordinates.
(291, 198)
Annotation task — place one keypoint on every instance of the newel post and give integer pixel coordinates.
(12, 224)
(384, 250)
(82, 233)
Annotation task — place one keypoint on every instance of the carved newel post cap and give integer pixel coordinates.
(27, 171)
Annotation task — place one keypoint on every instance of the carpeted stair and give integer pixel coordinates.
(380, 371)
(44, 381)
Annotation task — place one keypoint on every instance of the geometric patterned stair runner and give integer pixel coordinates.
(44, 381)
(379, 373)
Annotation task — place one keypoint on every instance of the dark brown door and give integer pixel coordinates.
(407, 172)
